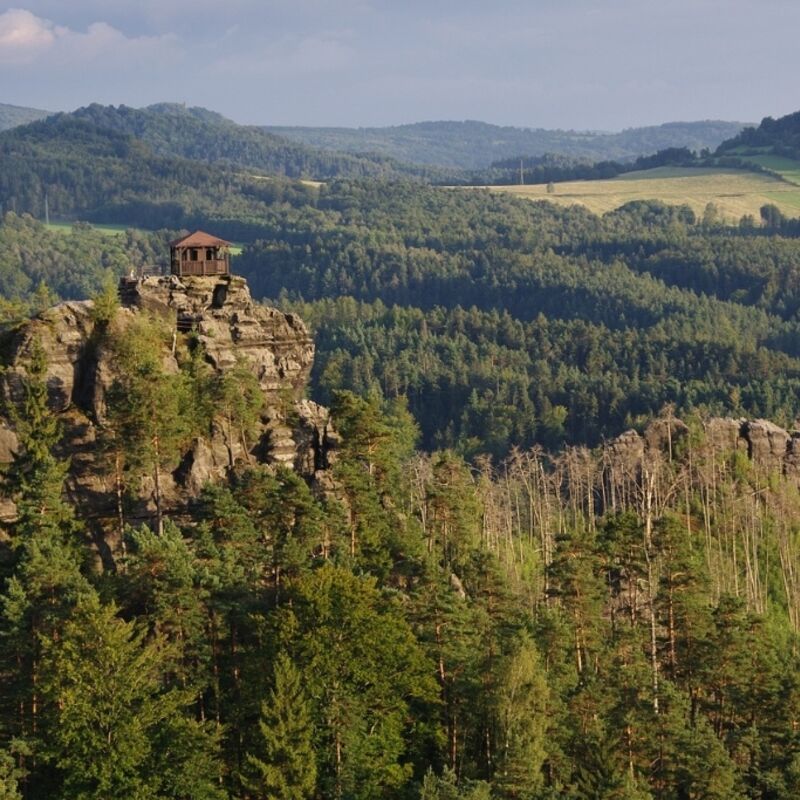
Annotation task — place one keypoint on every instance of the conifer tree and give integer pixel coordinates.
(161, 583)
(285, 765)
(237, 403)
(36, 476)
(446, 624)
(47, 579)
(522, 697)
(454, 512)
(115, 731)
(147, 406)
(106, 300)
(364, 670)
(447, 787)
(11, 774)
(286, 516)
(377, 442)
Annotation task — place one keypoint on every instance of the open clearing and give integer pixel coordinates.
(118, 230)
(734, 192)
(66, 227)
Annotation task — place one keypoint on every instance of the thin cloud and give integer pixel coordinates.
(296, 56)
(26, 38)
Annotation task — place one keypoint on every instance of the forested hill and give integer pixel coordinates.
(499, 616)
(504, 322)
(11, 116)
(773, 136)
(93, 173)
(172, 130)
(475, 145)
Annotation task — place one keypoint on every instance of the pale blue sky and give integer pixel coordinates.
(602, 64)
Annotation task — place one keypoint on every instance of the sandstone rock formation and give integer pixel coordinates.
(232, 329)
(767, 445)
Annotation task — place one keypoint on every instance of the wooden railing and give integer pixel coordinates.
(214, 267)
(146, 271)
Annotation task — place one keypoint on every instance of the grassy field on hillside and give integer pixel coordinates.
(66, 228)
(116, 230)
(787, 168)
(734, 192)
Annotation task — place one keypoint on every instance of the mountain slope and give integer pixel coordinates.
(475, 145)
(11, 116)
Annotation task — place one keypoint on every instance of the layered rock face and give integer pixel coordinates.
(232, 330)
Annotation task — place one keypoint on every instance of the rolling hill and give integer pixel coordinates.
(98, 174)
(12, 116)
(173, 130)
(476, 145)
(757, 167)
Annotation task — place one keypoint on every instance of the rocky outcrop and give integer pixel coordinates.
(767, 443)
(791, 462)
(770, 447)
(725, 434)
(230, 326)
(232, 329)
(64, 333)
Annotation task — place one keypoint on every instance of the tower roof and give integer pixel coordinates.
(199, 239)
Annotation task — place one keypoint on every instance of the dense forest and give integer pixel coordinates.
(581, 625)
(97, 174)
(39, 266)
(509, 322)
(172, 130)
(553, 167)
(779, 136)
(429, 148)
(502, 321)
(496, 598)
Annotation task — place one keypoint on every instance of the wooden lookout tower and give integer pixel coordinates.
(199, 253)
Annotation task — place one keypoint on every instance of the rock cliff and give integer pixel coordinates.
(232, 329)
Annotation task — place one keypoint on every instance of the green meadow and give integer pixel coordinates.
(117, 230)
(787, 168)
(67, 228)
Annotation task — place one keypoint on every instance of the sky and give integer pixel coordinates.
(580, 64)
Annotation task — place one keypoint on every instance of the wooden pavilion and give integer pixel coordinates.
(199, 253)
